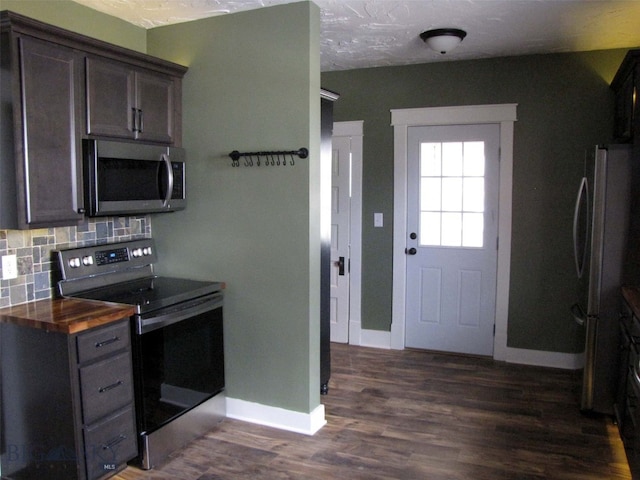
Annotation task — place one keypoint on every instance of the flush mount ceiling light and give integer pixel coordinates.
(443, 40)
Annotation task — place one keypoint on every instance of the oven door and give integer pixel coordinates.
(178, 360)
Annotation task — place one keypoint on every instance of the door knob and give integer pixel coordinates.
(340, 265)
(410, 251)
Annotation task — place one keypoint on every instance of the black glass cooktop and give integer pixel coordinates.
(151, 293)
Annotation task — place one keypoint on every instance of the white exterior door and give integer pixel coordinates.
(340, 238)
(452, 225)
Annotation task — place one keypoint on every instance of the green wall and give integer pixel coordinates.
(253, 84)
(80, 19)
(564, 107)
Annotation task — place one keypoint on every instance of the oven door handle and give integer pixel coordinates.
(192, 309)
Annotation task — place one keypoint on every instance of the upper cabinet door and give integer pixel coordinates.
(111, 107)
(156, 101)
(50, 108)
(132, 103)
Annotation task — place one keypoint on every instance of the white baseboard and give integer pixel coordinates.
(276, 417)
(566, 361)
(375, 338)
(522, 356)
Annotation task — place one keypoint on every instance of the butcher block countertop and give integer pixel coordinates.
(65, 315)
(632, 296)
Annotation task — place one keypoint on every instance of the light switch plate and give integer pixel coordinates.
(377, 220)
(9, 267)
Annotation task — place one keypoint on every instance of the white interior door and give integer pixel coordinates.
(452, 224)
(340, 238)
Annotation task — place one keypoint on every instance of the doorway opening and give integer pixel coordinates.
(346, 232)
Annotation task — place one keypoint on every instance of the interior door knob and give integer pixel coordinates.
(410, 251)
(340, 265)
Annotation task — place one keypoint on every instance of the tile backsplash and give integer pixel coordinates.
(36, 267)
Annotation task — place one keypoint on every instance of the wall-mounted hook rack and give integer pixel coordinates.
(268, 158)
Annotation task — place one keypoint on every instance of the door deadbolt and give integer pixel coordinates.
(413, 236)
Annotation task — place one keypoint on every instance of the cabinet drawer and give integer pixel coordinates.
(104, 341)
(106, 386)
(110, 444)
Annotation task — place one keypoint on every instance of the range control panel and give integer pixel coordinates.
(98, 259)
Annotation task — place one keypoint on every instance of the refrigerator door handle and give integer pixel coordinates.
(583, 198)
(578, 314)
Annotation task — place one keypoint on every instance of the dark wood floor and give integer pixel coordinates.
(419, 415)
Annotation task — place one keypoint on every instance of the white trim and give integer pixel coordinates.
(348, 129)
(505, 115)
(567, 361)
(375, 338)
(354, 130)
(464, 115)
(306, 423)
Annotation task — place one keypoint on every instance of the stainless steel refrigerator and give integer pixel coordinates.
(600, 227)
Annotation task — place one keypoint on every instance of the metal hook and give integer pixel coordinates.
(292, 161)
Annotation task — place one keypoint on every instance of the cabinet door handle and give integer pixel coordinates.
(140, 121)
(110, 387)
(114, 442)
(134, 119)
(107, 342)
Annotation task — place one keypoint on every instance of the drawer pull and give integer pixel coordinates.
(114, 442)
(107, 342)
(110, 387)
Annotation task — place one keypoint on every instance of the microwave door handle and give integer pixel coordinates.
(167, 163)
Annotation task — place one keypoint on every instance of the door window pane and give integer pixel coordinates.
(431, 198)
(451, 230)
(430, 159)
(430, 228)
(473, 200)
(452, 159)
(452, 194)
(474, 159)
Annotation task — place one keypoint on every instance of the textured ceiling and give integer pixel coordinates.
(371, 33)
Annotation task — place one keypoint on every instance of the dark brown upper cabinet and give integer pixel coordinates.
(126, 102)
(41, 183)
(58, 87)
(626, 84)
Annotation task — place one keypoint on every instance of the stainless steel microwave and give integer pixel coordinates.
(123, 178)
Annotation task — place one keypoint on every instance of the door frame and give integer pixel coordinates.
(401, 120)
(354, 129)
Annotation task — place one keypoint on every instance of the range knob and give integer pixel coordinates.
(137, 252)
(74, 262)
(146, 251)
(88, 260)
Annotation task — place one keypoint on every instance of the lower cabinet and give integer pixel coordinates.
(627, 406)
(67, 403)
